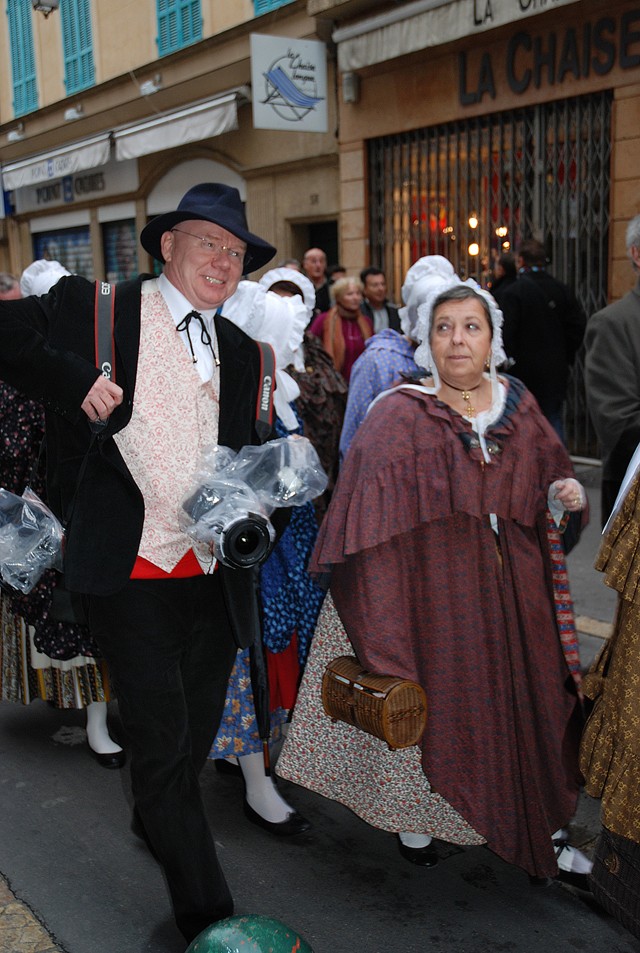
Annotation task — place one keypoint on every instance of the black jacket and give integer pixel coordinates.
(543, 329)
(47, 352)
(392, 311)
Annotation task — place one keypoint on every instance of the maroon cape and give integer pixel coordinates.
(425, 591)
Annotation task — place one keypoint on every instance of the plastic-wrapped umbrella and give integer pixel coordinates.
(259, 677)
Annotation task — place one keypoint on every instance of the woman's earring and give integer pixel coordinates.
(487, 364)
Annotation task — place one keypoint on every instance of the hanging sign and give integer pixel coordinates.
(289, 83)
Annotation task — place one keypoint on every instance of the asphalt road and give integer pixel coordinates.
(88, 885)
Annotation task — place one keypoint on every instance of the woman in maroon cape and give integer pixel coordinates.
(437, 549)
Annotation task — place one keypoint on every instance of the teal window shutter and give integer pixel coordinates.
(264, 6)
(23, 65)
(77, 42)
(179, 24)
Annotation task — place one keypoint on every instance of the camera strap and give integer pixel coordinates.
(103, 322)
(264, 404)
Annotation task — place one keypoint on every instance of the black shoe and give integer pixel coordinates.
(422, 856)
(114, 759)
(571, 877)
(540, 881)
(223, 766)
(294, 824)
(581, 881)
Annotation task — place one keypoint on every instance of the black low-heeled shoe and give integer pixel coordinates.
(222, 766)
(113, 759)
(422, 856)
(294, 824)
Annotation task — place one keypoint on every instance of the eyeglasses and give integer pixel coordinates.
(216, 248)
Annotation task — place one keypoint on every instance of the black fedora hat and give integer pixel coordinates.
(210, 202)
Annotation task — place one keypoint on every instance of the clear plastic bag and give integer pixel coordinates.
(31, 539)
(233, 495)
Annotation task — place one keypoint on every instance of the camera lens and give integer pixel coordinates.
(246, 542)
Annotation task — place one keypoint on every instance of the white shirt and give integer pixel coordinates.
(179, 308)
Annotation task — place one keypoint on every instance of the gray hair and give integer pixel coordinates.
(8, 282)
(633, 237)
(461, 293)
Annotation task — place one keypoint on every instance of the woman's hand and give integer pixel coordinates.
(570, 494)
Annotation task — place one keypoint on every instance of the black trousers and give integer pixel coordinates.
(170, 651)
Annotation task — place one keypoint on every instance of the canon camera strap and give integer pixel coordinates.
(264, 405)
(104, 316)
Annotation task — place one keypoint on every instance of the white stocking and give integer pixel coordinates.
(98, 735)
(262, 794)
(415, 840)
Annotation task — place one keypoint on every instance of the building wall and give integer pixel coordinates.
(431, 87)
(290, 177)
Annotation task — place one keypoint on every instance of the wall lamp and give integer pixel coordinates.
(350, 87)
(46, 7)
(151, 86)
(17, 134)
(73, 112)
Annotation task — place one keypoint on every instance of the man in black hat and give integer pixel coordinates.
(166, 617)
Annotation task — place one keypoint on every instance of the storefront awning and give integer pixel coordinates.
(423, 24)
(173, 129)
(74, 157)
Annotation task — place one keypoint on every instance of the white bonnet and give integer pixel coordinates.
(277, 321)
(295, 278)
(425, 313)
(41, 276)
(430, 274)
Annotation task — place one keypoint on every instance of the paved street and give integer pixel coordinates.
(81, 883)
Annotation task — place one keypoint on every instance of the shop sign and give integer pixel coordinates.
(110, 180)
(69, 188)
(289, 83)
(531, 61)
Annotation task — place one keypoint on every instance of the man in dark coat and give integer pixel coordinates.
(543, 330)
(168, 624)
(612, 374)
(375, 305)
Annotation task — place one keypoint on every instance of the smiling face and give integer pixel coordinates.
(460, 341)
(375, 290)
(206, 278)
(349, 297)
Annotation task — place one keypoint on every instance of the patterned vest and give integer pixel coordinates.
(175, 415)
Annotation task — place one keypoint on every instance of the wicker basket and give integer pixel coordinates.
(615, 879)
(393, 709)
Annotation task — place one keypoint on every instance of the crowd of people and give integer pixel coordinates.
(440, 560)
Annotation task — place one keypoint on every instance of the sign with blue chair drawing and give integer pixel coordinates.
(289, 83)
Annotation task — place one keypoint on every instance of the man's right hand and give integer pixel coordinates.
(101, 400)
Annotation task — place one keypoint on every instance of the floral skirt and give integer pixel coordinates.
(27, 674)
(387, 789)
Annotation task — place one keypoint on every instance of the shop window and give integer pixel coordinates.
(120, 250)
(179, 24)
(472, 189)
(264, 6)
(77, 45)
(23, 66)
(70, 246)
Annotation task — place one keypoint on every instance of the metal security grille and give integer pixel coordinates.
(468, 189)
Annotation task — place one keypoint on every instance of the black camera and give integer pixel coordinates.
(232, 519)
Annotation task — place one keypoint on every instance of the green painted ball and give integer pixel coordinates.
(249, 934)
